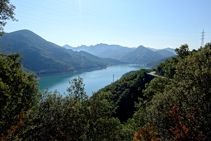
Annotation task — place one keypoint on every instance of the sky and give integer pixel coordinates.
(151, 23)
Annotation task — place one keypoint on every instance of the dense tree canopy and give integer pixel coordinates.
(18, 90)
(174, 107)
(6, 13)
(186, 98)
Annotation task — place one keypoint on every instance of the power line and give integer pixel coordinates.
(64, 24)
(94, 13)
(202, 39)
(111, 27)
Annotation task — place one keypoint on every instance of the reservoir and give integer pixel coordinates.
(93, 80)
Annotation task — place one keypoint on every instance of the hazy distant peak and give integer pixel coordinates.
(82, 46)
(67, 46)
(141, 46)
(165, 52)
(153, 49)
(171, 50)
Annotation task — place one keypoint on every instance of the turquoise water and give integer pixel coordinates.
(93, 80)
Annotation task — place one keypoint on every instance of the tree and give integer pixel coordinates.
(18, 90)
(6, 13)
(182, 51)
(190, 89)
(76, 89)
(73, 117)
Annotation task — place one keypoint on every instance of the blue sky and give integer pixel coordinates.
(151, 23)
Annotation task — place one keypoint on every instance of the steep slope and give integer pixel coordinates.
(68, 47)
(154, 64)
(171, 50)
(108, 61)
(153, 49)
(44, 57)
(124, 92)
(165, 52)
(115, 53)
(141, 55)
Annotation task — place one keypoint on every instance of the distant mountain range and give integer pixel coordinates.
(43, 57)
(135, 55)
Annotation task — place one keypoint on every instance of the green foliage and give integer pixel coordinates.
(189, 89)
(177, 105)
(169, 66)
(128, 73)
(6, 13)
(76, 89)
(73, 117)
(182, 51)
(124, 92)
(18, 90)
(141, 117)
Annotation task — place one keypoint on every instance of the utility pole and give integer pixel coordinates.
(202, 38)
(113, 77)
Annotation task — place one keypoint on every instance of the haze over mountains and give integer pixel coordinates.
(44, 57)
(140, 54)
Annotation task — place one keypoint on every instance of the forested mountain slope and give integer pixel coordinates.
(135, 107)
(141, 55)
(43, 57)
(135, 55)
(103, 50)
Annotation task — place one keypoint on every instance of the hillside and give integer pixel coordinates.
(128, 108)
(124, 92)
(154, 64)
(165, 52)
(115, 53)
(108, 61)
(43, 57)
(136, 55)
(171, 50)
(141, 55)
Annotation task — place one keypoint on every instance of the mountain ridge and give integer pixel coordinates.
(44, 57)
(119, 52)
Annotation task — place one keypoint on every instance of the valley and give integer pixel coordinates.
(105, 70)
(46, 58)
(94, 80)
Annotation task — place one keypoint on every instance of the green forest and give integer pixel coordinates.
(136, 107)
(174, 106)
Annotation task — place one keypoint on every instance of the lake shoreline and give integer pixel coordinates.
(61, 73)
(94, 79)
